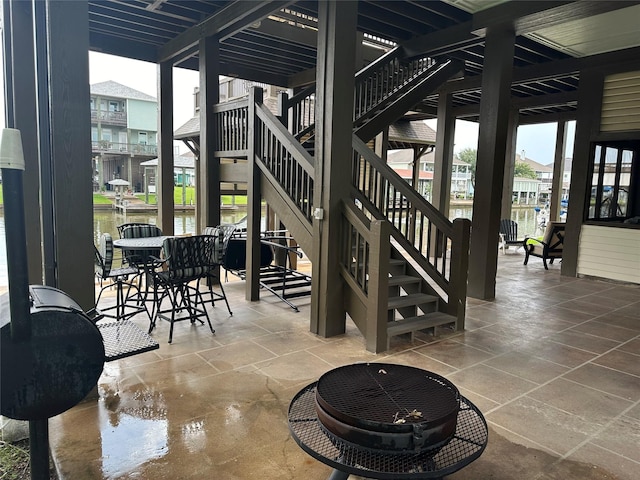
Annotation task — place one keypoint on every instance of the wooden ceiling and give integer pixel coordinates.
(274, 42)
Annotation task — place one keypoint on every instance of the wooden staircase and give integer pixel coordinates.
(412, 305)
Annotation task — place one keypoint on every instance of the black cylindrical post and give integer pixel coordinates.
(12, 165)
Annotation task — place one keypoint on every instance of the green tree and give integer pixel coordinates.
(524, 170)
(469, 155)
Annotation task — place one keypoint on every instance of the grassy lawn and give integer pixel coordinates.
(190, 194)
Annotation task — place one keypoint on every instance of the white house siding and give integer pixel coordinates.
(612, 253)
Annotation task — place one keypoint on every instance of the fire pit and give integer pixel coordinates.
(388, 407)
(387, 421)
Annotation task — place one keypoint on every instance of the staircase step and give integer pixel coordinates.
(399, 280)
(412, 324)
(411, 300)
(397, 262)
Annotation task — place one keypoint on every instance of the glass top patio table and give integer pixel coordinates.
(141, 243)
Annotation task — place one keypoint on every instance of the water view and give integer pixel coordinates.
(108, 220)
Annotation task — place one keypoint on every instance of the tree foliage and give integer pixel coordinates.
(469, 155)
(524, 170)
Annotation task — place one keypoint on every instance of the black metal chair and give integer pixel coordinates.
(140, 259)
(221, 235)
(118, 277)
(186, 260)
(509, 234)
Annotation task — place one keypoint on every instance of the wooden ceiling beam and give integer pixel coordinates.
(234, 17)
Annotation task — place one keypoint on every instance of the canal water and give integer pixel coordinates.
(107, 221)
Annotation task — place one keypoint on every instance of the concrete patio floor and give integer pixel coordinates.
(553, 363)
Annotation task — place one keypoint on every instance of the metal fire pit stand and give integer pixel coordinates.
(467, 444)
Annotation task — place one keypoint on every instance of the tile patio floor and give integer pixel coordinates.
(553, 363)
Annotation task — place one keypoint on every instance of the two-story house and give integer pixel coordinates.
(124, 128)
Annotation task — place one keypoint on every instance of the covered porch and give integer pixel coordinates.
(552, 364)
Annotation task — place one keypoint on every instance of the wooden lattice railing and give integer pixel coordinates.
(437, 245)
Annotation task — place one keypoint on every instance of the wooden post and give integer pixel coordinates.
(558, 172)
(254, 197)
(70, 133)
(21, 92)
(208, 171)
(509, 165)
(378, 293)
(334, 126)
(492, 146)
(458, 270)
(164, 180)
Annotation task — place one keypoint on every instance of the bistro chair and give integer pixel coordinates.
(140, 259)
(119, 277)
(221, 235)
(186, 260)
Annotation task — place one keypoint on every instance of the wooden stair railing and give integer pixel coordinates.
(289, 170)
(364, 266)
(379, 83)
(438, 246)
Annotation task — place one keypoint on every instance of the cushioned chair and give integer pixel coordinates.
(221, 235)
(118, 276)
(187, 260)
(509, 234)
(549, 246)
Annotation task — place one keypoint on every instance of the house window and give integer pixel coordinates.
(114, 106)
(614, 185)
(142, 138)
(93, 103)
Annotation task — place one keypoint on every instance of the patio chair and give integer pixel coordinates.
(221, 235)
(549, 246)
(117, 276)
(186, 260)
(509, 235)
(140, 259)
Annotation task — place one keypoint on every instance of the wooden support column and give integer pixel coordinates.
(492, 149)
(254, 197)
(558, 172)
(164, 180)
(443, 158)
(587, 128)
(70, 130)
(21, 97)
(208, 166)
(334, 127)
(509, 165)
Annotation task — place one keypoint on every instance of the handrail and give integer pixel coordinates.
(231, 124)
(424, 232)
(374, 84)
(289, 164)
(363, 255)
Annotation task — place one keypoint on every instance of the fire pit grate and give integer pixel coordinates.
(467, 444)
(388, 406)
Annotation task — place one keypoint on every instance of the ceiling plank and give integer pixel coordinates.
(225, 23)
(529, 16)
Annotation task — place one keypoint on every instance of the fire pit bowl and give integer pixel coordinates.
(388, 407)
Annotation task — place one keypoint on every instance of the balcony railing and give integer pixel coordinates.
(113, 118)
(105, 146)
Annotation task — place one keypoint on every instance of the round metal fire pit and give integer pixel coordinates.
(388, 407)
